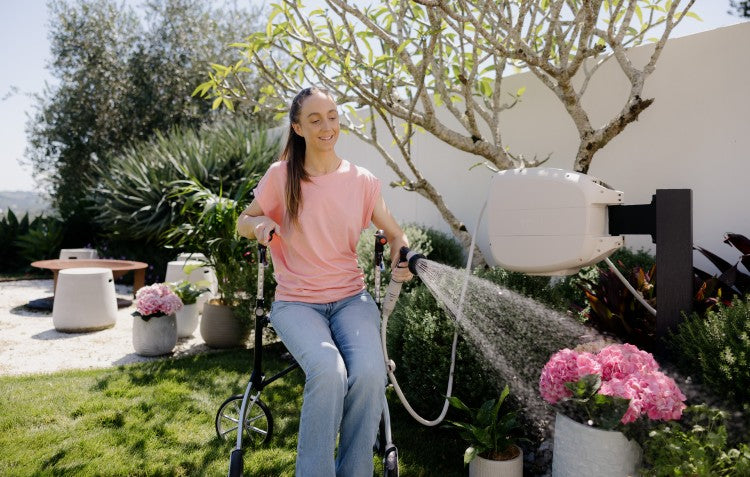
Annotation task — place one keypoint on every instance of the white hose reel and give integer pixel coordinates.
(546, 221)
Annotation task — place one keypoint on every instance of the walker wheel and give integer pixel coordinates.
(258, 425)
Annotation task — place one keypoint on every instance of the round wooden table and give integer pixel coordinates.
(118, 267)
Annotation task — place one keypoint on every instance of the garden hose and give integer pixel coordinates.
(389, 303)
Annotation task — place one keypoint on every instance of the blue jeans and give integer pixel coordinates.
(338, 347)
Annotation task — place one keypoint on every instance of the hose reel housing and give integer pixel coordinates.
(546, 221)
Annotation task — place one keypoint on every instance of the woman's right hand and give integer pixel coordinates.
(263, 230)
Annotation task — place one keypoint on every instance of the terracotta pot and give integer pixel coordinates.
(584, 450)
(220, 328)
(187, 320)
(481, 467)
(154, 337)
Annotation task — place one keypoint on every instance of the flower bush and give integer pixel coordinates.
(156, 300)
(617, 385)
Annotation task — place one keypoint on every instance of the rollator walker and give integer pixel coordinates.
(255, 416)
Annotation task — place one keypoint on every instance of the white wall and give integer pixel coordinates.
(695, 135)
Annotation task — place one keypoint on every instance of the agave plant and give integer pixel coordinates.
(137, 197)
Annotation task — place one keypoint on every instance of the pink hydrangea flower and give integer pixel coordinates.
(157, 300)
(626, 372)
(619, 361)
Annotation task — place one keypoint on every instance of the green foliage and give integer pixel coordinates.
(489, 432)
(586, 404)
(559, 295)
(433, 244)
(208, 226)
(697, 445)
(43, 240)
(28, 240)
(138, 199)
(119, 80)
(741, 7)
(613, 309)
(715, 348)
(187, 291)
(731, 281)
(419, 340)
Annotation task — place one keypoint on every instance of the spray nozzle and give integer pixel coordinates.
(410, 256)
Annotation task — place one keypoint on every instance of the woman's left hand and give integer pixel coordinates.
(400, 271)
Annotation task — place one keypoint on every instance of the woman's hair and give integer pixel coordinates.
(294, 155)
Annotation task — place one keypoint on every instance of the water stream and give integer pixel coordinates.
(516, 334)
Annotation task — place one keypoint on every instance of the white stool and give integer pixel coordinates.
(82, 253)
(85, 300)
(190, 256)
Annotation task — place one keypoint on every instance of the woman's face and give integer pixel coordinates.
(318, 122)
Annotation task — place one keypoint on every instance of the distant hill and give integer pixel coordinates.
(21, 202)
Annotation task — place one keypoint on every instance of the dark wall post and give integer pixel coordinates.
(674, 257)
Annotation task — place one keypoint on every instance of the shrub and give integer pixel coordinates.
(697, 445)
(139, 200)
(715, 348)
(420, 333)
(137, 197)
(433, 244)
(27, 240)
(558, 294)
(419, 340)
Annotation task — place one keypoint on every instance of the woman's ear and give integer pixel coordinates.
(296, 128)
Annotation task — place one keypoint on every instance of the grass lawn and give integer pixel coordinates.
(157, 419)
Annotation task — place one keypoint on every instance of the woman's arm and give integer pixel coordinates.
(383, 220)
(254, 225)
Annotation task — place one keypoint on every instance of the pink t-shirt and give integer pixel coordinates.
(316, 262)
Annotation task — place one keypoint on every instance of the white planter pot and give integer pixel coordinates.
(187, 320)
(580, 450)
(156, 336)
(481, 467)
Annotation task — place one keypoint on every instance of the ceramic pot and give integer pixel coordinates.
(584, 450)
(481, 467)
(154, 337)
(187, 320)
(220, 328)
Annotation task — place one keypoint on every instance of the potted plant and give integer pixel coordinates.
(187, 316)
(154, 323)
(209, 228)
(601, 396)
(493, 449)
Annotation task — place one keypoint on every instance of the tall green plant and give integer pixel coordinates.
(26, 240)
(10, 229)
(696, 446)
(138, 198)
(715, 348)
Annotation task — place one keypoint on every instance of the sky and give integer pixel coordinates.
(24, 54)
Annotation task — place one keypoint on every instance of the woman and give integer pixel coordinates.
(317, 205)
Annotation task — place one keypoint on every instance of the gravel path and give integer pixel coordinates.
(30, 344)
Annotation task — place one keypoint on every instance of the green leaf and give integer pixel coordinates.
(216, 103)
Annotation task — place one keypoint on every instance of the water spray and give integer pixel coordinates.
(417, 265)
